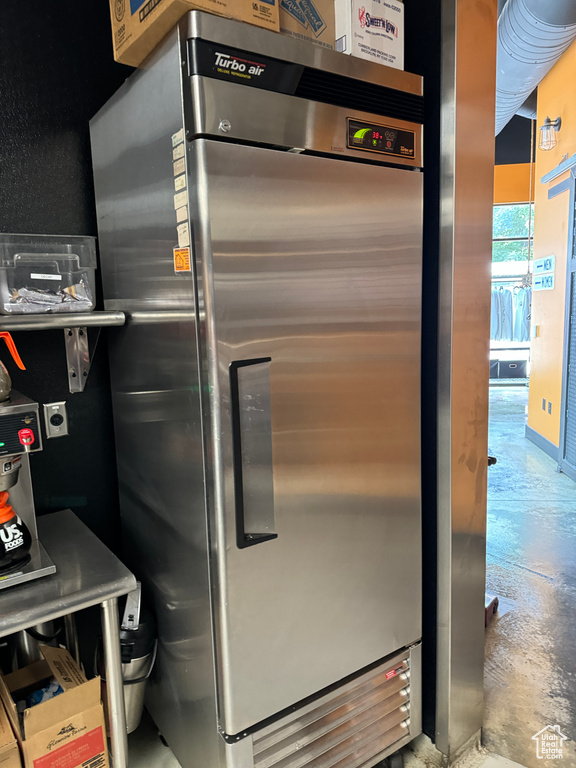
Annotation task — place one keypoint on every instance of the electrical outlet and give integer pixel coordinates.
(549, 407)
(55, 419)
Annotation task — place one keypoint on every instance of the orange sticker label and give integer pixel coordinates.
(182, 260)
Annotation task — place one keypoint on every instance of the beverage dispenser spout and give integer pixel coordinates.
(5, 380)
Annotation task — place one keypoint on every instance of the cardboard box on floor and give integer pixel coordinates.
(371, 29)
(9, 752)
(139, 25)
(308, 20)
(66, 731)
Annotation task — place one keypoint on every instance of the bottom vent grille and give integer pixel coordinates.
(347, 730)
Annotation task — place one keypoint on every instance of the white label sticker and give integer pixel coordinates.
(180, 182)
(178, 152)
(547, 264)
(544, 282)
(179, 166)
(180, 199)
(182, 213)
(183, 235)
(40, 276)
(178, 137)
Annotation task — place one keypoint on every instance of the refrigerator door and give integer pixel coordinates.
(309, 281)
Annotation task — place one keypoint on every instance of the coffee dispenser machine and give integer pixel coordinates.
(22, 557)
(19, 437)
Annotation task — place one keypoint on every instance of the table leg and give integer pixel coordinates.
(114, 684)
(72, 637)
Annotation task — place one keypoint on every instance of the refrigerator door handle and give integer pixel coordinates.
(252, 451)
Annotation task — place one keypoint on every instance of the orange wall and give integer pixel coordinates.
(512, 183)
(555, 97)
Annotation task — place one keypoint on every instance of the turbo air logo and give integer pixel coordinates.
(11, 537)
(234, 65)
(367, 21)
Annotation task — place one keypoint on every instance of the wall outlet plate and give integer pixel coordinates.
(55, 419)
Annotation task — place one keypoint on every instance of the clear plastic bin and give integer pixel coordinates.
(47, 273)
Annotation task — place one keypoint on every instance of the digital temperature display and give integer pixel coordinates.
(380, 138)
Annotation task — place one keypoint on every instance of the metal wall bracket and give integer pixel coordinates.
(75, 325)
(77, 357)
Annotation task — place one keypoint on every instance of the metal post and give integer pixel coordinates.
(466, 198)
(114, 684)
(72, 637)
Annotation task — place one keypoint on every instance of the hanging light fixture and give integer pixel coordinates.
(548, 133)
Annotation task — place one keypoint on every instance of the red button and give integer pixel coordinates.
(26, 436)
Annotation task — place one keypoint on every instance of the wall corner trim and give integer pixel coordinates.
(561, 168)
(563, 186)
(543, 443)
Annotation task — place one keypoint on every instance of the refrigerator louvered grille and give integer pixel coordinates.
(348, 731)
(347, 92)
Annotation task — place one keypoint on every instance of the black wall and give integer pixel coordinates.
(56, 71)
(514, 141)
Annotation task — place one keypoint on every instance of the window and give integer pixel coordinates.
(512, 232)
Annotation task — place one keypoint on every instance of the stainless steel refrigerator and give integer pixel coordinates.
(259, 212)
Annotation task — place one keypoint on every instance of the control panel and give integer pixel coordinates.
(384, 139)
(19, 430)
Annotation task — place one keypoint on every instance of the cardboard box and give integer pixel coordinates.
(309, 20)
(9, 752)
(66, 731)
(371, 29)
(139, 25)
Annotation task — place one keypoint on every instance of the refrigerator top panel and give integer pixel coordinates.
(206, 26)
(253, 85)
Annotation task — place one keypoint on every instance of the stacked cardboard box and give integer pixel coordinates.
(371, 29)
(9, 752)
(139, 25)
(308, 20)
(67, 730)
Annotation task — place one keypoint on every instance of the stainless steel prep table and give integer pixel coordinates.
(87, 574)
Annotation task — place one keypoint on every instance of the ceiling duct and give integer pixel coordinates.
(528, 109)
(532, 35)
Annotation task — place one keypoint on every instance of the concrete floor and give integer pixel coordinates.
(530, 674)
(146, 750)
